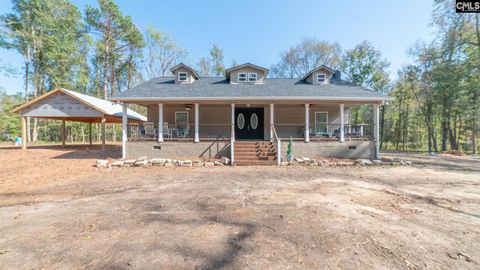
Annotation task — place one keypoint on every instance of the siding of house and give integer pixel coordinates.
(260, 74)
(221, 114)
(312, 79)
(190, 78)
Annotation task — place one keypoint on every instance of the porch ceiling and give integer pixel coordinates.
(254, 102)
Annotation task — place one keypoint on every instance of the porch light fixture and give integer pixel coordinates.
(248, 105)
(187, 107)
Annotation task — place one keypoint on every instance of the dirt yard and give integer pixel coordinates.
(59, 212)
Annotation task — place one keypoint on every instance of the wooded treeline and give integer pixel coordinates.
(101, 52)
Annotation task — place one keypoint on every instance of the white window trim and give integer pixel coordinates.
(242, 73)
(250, 76)
(326, 120)
(325, 78)
(188, 117)
(180, 75)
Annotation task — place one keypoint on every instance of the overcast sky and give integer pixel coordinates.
(257, 31)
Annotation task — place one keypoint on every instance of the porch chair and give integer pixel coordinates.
(149, 130)
(183, 132)
(165, 131)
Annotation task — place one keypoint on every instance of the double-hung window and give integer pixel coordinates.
(321, 78)
(242, 77)
(252, 77)
(182, 76)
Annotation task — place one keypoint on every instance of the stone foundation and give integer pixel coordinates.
(353, 149)
(177, 149)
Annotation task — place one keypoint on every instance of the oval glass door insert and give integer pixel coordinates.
(254, 121)
(240, 121)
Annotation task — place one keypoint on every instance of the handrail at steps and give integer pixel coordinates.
(279, 144)
(232, 154)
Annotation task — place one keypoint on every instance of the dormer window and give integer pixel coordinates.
(321, 78)
(182, 76)
(252, 77)
(242, 77)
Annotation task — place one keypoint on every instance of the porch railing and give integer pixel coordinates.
(327, 132)
(174, 132)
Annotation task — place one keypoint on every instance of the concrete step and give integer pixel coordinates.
(255, 163)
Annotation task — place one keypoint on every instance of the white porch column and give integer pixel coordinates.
(124, 130)
(342, 122)
(307, 122)
(160, 122)
(232, 133)
(376, 129)
(197, 117)
(272, 107)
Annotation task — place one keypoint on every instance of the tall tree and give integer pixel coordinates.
(47, 34)
(216, 57)
(364, 65)
(213, 65)
(116, 33)
(162, 53)
(305, 56)
(204, 67)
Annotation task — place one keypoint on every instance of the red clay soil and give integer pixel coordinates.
(59, 212)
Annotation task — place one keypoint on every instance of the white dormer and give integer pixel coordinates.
(320, 75)
(246, 73)
(184, 74)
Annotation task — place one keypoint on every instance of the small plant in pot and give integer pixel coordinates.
(289, 150)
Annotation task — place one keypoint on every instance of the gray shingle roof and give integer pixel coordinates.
(164, 88)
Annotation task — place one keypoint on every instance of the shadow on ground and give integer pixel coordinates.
(77, 151)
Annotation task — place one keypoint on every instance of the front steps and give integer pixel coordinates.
(254, 153)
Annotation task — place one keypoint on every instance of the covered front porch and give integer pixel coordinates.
(197, 122)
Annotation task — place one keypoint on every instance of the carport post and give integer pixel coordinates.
(90, 132)
(376, 130)
(124, 130)
(104, 131)
(63, 132)
(24, 133)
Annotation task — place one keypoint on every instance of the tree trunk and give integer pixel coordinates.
(399, 123)
(429, 140)
(452, 133)
(405, 128)
(444, 134)
(27, 76)
(105, 73)
(474, 138)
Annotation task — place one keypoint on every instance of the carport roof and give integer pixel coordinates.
(113, 112)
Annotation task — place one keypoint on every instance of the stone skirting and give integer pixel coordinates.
(335, 149)
(351, 149)
(177, 149)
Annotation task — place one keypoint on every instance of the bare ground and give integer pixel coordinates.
(58, 212)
